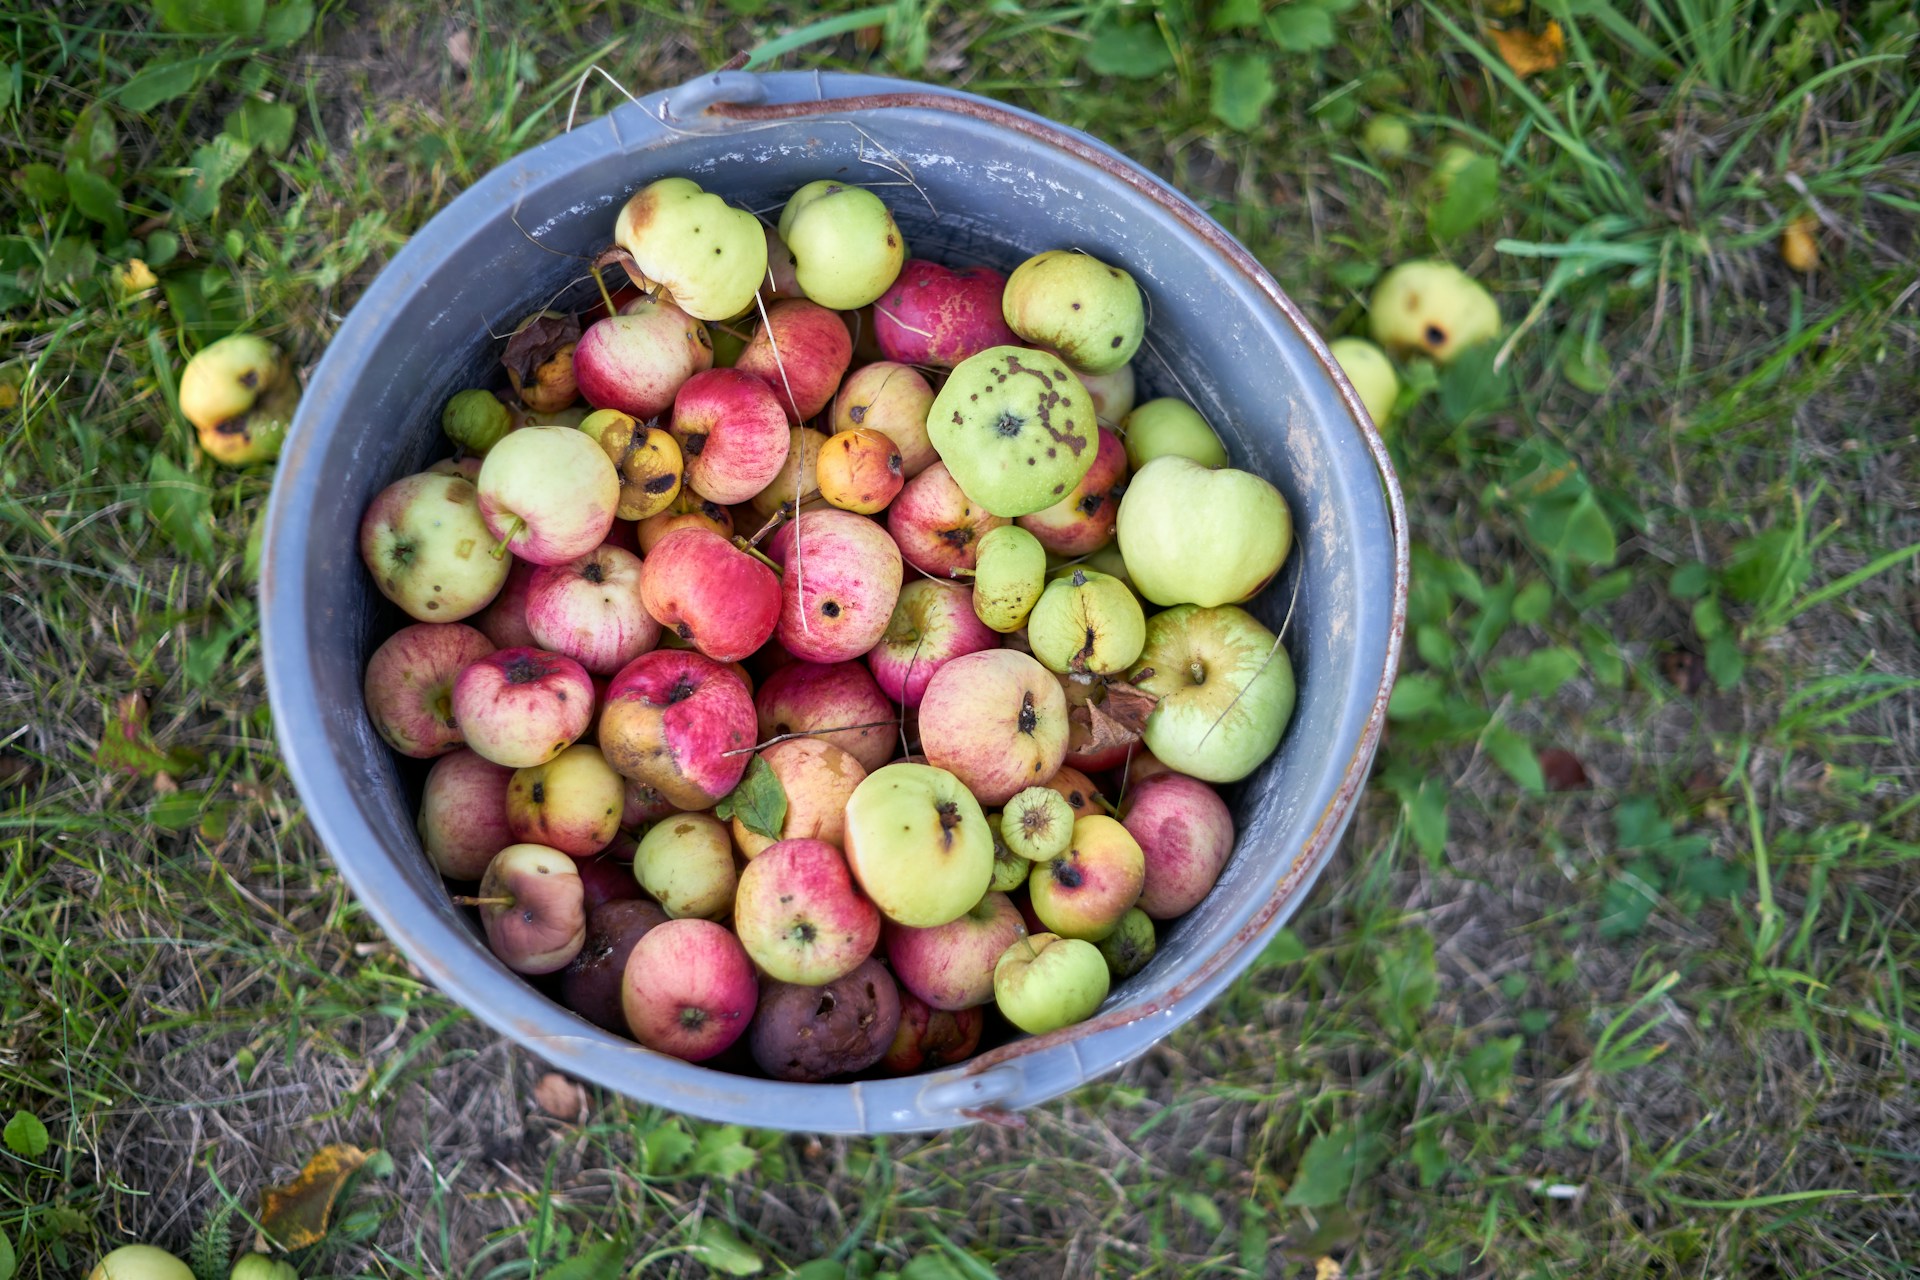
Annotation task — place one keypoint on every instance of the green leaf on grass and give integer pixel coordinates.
(1427, 818)
(70, 261)
(1534, 675)
(931, 1265)
(1333, 1163)
(600, 1259)
(1488, 1069)
(92, 142)
(1414, 695)
(44, 185)
(716, 1245)
(1301, 27)
(177, 810)
(1471, 199)
(161, 82)
(1725, 663)
(1135, 52)
(666, 1148)
(211, 165)
(1200, 1207)
(1407, 986)
(211, 17)
(1242, 89)
(1514, 754)
(98, 200)
(286, 22)
(1532, 603)
(760, 802)
(8, 1262)
(1624, 908)
(1231, 14)
(25, 1135)
(720, 1153)
(206, 653)
(181, 505)
(819, 1269)
(1471, 387)
(267, 125)
(1690, 581)
(1576, 530)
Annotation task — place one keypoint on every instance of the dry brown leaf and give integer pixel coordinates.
(295, 1216)
(460, 48)
(1102, 730)
(1129, 705)
(538, 341)
(560, 1097)
(1529, 53)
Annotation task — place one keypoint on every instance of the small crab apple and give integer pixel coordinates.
(846, 248)
(801, 351)
(1010, 870)
(685, 862)
(1241, 519)
(937, 526)
(548, 493)
(1037, 824)
(1431, 308)
(681, 723)
(918, 843)
(807, 1034)
(689, 989)
(475, 420)
(732, 433)
(1016, 428)
(1010, 572)
(1073, 303)
(532, 908)
(571, 803)
(710, 256)
(1082, 522)
(647, 459)
(463, 814)
(950, 966)
(997, 720)
(938, 317)
(1371, 374)
(1045, 982)
(860, 470)
(1131, 944)
(932, 624)
(409, 685)
(239, 393)
(892, 399)
(841, 582)
(425, 543)
(590, 610)
(800, 915)
(1185, 831)
(837, 703)
(635, 361)
(522, 707)
(711, 594)
(1169, 426)
(817, 779)
(688, 511)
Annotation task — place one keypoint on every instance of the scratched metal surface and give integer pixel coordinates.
(994, 185)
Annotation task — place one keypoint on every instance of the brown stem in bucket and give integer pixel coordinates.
(463, 900)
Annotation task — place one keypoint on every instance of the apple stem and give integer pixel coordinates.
(758, 554)
(809, 733)
(462, 900)
(1198, 671)
(959, 572)
(774, 521)
(605, 296)
(506, 539)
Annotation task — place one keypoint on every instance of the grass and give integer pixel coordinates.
(1615, 973)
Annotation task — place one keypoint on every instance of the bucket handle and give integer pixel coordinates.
(738, 96)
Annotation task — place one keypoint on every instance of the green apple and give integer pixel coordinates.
(711, 256)
(918, 843)
(846, 248)
(1044, 982)
(1087, 623)
(1009, 868)
(240, 394)
(1008, 576)
(1225, 690)
(1132, 943)
(1037, 824)
(1431, 307)
(685, 863)
(1015, 428)
(475, 420)
(260, 1266)
(1164, 426)
(1198, 535)
(140, 1262)
(1087, 310)
(1371, 374)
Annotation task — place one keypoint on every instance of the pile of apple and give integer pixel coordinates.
(861, 658)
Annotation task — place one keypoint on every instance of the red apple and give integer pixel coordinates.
(591, 984)
(605, 879)
(637, 360)
(1111, 393)
(841, 698)
(932, 624)
(533, 909)
(571, 803)
(1185, 833)
(681, 723)
(938, 528)
(505, 620)
(522, 707)
(800, 915)
(892, 399)
(950, 966)
(842, 579)
(590, 609)
(939, 317)
(409, 685)
(1084, 892)
(802, 352)
(463, 814)
(689, 989)
(997, 721)
(711, 594)
(1082, 522)
(732, 433)
(931, 1038)
(643, 804)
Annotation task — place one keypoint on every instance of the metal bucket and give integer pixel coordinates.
(990, 184)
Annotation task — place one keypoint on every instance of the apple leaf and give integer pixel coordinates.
(1243, 87)
(295, 1216)
(1137, 52)
(1333, 1163)
(161, 82)
(759, 802)
(26, 1136)
(720, 1153)
(127, 746)
(537, 341)
(717, 1246)
(606, 1257)
(8, 1261)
